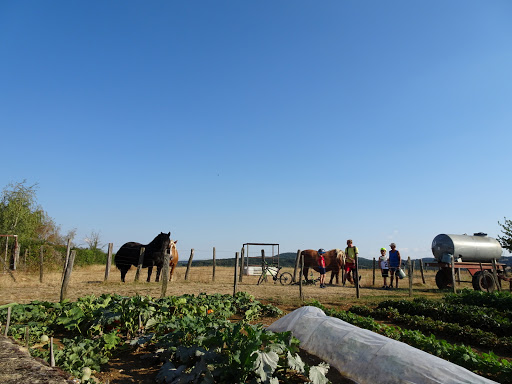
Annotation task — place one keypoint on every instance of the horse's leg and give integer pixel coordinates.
(305, 273)
(123, 274)
(158, 269)
(150, 271)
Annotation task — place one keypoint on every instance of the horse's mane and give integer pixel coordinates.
(340, 255)
(160, 242)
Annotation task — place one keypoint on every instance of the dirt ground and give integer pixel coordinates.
(139, 367)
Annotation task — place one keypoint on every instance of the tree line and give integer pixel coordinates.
(23, 216)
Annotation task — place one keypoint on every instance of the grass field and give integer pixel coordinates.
(90, 281)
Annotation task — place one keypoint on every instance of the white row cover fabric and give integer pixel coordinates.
(367, 357)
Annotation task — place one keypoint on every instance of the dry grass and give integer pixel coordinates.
(89, 281)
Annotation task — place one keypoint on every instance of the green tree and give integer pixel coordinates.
(506, 239)
(17, 210)
(21, 215)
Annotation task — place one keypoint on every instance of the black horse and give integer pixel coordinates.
(129, 254)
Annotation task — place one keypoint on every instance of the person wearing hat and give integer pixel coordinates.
(321, 267)
(395, 261)
(351, 252)
(384, 267)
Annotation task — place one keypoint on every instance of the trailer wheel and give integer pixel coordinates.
(444, 279)
(483, 281)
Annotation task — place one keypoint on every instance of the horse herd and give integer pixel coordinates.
(154, 255)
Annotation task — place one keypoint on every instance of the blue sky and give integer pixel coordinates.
(293, 122)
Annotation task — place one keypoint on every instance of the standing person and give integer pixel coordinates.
(395, 261)
(350, 262)
(321, 267)
(384, 267)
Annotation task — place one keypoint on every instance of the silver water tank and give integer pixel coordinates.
(477, 248)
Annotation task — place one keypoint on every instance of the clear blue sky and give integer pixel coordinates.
(302, 123)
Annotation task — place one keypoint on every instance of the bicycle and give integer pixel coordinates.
(285, 278)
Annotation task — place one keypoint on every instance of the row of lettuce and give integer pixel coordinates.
(196, 339)
(477, 325)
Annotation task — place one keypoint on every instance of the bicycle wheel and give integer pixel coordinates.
(263, 277)
(286, 278)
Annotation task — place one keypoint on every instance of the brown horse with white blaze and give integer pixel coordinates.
(333, 262)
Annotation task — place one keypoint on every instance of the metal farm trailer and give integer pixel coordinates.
(478, 254)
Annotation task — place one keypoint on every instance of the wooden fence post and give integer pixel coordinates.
(301, 293)
(495, 275)
(139, 264)
(213, 270)
(189, 263)
(109, 261)
(297, 261)
(236, 270)
(241, 274)
(374, 266)
(7, 262)
(165, 273)
(262, 260)
(421, 270)
(453, 275)
(356, 277)
(66, 259)
(411, 269)
(41, 252)
(67, 276)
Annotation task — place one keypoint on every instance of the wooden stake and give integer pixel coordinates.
(66, 260)
(356, 277)
(409, 264)
(8, 321)
(301, 293)
(52, 357)
(165, 273)
(421, 271)
(374, 267)
(67, 276)
(41, 253)
(495, 275)
(453, 274)
(213, 270)
(236, 270)
(297, 262)
(109, 261)
(241, 274)
(27, 336)
(189, 265)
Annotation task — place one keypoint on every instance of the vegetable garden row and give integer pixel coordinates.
(212, 338)
(200, 339)
(476, 324)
